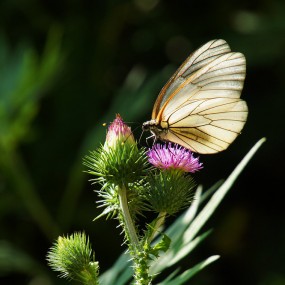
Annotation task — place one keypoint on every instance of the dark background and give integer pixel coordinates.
(66, 67)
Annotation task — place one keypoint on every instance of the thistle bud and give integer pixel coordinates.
(119, 161)
(72, 257)
(119, 133)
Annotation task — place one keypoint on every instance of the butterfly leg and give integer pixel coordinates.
(150, 137)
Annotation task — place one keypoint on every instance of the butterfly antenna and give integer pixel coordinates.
(141, 136)
(146, 138)
(132, 133)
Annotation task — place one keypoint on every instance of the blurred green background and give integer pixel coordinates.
(66, 67)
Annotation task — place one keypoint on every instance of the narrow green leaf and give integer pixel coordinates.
(186, 275)
(176, 253)
(210, 191)
(216, 199)
(119, 273)
(185, 249)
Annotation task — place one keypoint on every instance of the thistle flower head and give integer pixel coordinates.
(73, 258)
(119, 132)
(173, 157)
(119, 161)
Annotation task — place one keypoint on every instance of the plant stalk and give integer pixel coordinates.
(159, 222)
(128, 222)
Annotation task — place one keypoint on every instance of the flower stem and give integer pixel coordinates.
(159, 222)
(128, 222)
(140, 257)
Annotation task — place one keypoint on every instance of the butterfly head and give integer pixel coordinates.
(149, 125)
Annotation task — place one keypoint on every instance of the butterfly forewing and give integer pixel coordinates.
(222, 78)
(198, 59)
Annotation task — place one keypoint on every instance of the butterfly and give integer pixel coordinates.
(200, 106)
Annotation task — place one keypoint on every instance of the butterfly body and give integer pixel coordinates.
(200, 106)
(158, 130)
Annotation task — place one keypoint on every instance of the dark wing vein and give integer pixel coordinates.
(179, 135)
(192, 148)
(212, 54)
(183, 105)
(189, 67)
(202, 111)
(220, 105)
(205, 134)
(206, 124)
(221, 129)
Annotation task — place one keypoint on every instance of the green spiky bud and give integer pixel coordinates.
(72, 257)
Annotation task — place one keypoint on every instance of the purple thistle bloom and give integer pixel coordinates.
(174, 157)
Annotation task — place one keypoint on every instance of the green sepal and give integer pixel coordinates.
(169, 190)
(122, 164)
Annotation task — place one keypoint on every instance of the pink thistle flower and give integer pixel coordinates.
(173, 157)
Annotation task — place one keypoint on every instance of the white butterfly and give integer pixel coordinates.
(200, 106)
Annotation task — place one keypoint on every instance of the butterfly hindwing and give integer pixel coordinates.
(213, 129)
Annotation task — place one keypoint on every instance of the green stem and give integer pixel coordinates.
(128, 222)
(17, 173)
(140, 257)
(159, 222)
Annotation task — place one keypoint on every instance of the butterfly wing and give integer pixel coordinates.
(204, 111)
(198, 59)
